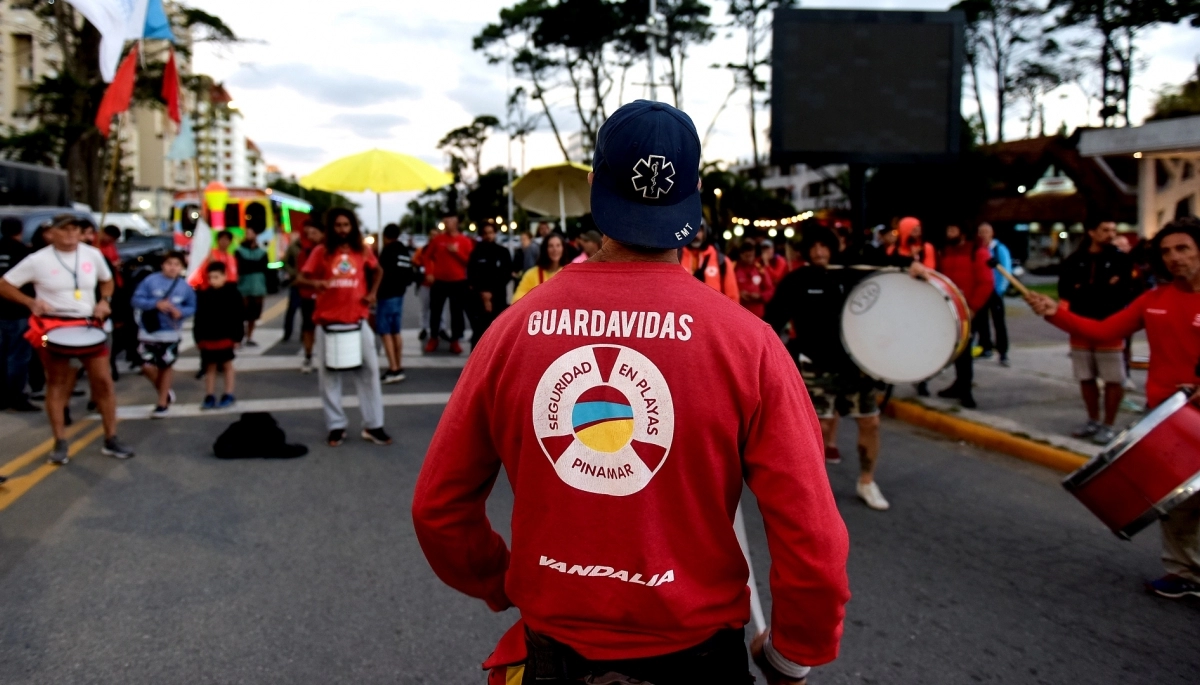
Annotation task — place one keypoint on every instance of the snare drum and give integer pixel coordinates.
(1146, 471)
(343, 347)
(899, 329)
(82, 340)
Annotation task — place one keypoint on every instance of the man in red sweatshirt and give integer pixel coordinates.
(1170, 314)
(446, 258)
(627, 464)
(965, 263)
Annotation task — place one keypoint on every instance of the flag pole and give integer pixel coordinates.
(112, 173)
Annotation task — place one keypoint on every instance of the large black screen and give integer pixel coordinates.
(866, 86)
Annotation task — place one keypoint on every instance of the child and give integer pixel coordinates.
(163, 301)
(219, 328)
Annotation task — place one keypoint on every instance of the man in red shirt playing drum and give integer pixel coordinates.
(640, 400)
(1170, 314)
(337, 271)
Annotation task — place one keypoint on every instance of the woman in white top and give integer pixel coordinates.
(66, 275)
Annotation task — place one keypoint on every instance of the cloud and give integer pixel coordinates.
(291, 152)
(480, 95)
(334, 88)
(368, 124)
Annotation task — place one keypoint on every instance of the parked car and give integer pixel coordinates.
(131, 225)
(32, 217)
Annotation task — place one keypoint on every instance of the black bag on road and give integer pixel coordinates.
(256, 436)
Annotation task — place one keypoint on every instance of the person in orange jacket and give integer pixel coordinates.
(703, 260)
(912, 244)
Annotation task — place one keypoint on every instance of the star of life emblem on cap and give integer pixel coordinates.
(654, 176)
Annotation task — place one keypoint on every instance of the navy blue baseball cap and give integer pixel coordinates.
(647, 175)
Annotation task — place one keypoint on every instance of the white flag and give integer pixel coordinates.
(117, 21)
(201, 247)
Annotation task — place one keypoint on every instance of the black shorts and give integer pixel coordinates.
(253, 308)
(218, 357)
(160, 354)
(307, 307)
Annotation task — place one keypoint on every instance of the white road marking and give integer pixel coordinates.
(277, 363)
(142, 411)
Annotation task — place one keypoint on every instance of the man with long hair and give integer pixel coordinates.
(1170, 313)
(338, 272)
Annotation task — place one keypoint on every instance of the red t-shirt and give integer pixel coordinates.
(752, 279)
(345, 274)
(640, 399)
(444, 264)
(1171, 317)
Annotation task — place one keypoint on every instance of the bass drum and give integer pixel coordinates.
(899, 329)
(1146, 471)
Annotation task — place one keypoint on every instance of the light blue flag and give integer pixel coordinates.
(157, 25)
(184, 145)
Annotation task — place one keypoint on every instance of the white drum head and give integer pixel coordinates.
(899, 329)
(76, 336)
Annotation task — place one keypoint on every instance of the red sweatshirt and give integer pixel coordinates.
(640, 398)
(966, 265)
(1171, 317)
(444, 264)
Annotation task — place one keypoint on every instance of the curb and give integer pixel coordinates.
(985, 436)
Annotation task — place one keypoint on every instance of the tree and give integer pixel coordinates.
(1033, 80)
(680, 24)
(1183, 101)
(320, 200)
(64, 104)
(520, 122)
(489, 198)
(1117, 24)
(465, 144)
(754, 18)
(1003, 35)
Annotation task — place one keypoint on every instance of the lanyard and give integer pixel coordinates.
(74, 273)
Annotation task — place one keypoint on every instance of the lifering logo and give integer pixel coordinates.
(712, 272)
(604, 417)
(345, 267)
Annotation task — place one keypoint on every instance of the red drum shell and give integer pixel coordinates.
(75, 341)
(1149, 469)
(941, 282)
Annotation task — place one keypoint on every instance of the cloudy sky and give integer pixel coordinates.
(320, 80)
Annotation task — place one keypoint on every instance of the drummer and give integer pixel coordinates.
(1170, 313)
(66, 276)
(811, 299)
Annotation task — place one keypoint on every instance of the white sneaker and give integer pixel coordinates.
(869, 493)
(307, 365)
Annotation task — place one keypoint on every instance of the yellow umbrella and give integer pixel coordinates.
(561, 188)
(379, 171)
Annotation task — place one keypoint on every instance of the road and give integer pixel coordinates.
(177, 567)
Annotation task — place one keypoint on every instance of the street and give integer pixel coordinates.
(178, 567)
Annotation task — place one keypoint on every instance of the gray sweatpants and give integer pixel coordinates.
(1181, 540)
(366, 381)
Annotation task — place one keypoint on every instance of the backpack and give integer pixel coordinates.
(256, 435)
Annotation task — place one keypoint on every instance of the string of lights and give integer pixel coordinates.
(772, 225)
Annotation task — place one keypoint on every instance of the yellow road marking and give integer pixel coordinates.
(40, 451)
(12, 490)
(275, 310)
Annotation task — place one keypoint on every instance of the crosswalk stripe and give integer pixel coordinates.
(142, 411)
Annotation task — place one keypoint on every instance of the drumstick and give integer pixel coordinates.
(1013, 280)
(756, 610)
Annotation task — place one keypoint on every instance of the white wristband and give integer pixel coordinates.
(781, 663)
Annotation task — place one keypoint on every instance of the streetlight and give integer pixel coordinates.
(717, 193)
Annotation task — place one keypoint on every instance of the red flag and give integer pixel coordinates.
(119, 93)
(170, 88)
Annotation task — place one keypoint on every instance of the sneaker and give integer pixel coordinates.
(59, 455)
(377, 436)
(1173, 586)
(431, 346)
(1104, 435)
(455, 348)
(1004, 362)
(968, 401)
(390, 377)
(160, 413)
(987, 354)
(423, 335)
(870, 494)
(114, 448)
(833, 455)
(227, 400)
(922, 389)
(170, 397)
(336, 437)
(306, 366)
(1087, 430)
(251, 343)
(209, 402)
(950, 393)
(25, 407)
